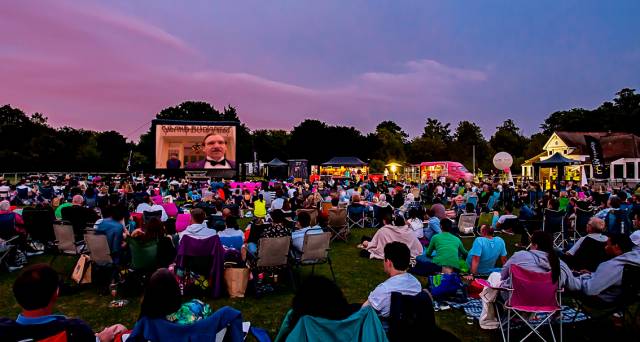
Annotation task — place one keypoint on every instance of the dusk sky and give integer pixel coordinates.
(114, 64)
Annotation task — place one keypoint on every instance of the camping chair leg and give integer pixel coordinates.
(293, 279)
(561, 324)
(331, 269)
(508, 325)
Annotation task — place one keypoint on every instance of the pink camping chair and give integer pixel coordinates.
(171, 209)
(157, 199)
(182, 222)
(533, 293)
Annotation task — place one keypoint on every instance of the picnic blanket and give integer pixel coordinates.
(473, 308)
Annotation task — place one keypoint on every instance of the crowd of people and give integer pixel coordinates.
(417, 235)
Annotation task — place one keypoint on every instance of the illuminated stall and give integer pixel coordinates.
(344, 167)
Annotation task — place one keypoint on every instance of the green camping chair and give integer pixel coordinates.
(485, 218)
(143, 254)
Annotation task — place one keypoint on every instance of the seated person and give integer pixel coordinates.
(508, 214)
(279, 227)
(605, 283)
(198, 228)
(485, 252)
(541, 257)
(613, 203)
(36, 291)
(111, 227)
(415, 223)
(433, 225)
(162, 299)
(302, 226)
(149, 205)
(79, 216)
(589, 251)
(448, 248)
(154, 231)
(320, 297)
(398, 231)
(396, 262)
(231, 237)
(439, 210)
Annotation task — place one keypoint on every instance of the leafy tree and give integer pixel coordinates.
(618, 116)
(270, 144)
(508, 139)
(392, 127)
(437, 130)
(467, 135)
(535, 145)
(427, 148)
(392, 142)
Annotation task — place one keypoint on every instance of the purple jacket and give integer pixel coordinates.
(201, 164)
(192, 247)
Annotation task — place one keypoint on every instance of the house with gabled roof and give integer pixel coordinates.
(621, 151)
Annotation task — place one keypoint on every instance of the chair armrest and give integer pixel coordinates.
(15, 237)
(485, 283)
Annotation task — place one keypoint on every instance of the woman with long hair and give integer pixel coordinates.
(542, 257)
(162, 299)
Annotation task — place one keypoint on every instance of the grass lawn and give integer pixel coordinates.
(355, 275)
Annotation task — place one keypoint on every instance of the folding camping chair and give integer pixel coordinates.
(484, 219)
(580, 222)
(39, 224)
(338, 224)
(98, 248)
(531, 293)
(629, 296)
(273, 253)
(313, 213)
(466, 225)
(147, 215)
(315, 251)
(5, 250)
(65, 240)
(553, 223)
(356, 215)
(618, 222)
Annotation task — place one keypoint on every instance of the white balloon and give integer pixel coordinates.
(502, 160)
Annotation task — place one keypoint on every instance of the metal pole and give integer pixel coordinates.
(474, 160)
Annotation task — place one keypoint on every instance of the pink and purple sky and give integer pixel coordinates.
(107, 65)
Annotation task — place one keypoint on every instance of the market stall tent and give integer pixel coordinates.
(277, 169)
(344, 167)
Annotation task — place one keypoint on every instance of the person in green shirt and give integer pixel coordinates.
(58, 212)
(449, 249)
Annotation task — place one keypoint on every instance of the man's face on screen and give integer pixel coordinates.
(215, 147)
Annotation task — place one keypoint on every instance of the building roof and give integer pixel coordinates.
(276, 162)
(615, 145)
(344, 161)
(534, 159)
(557, 159)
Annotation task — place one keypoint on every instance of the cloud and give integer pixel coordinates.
(92, 67)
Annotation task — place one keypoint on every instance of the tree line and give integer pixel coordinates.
(31, 144)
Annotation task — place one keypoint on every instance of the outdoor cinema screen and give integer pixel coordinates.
(200, 145)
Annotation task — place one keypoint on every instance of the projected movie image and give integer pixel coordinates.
(196, 147)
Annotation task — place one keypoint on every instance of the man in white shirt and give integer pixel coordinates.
(303, 224)
(278, 202)
(396, 263)
(148, 205)
(595, 228)
(198, 228)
